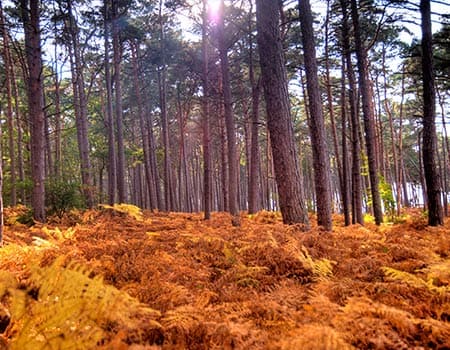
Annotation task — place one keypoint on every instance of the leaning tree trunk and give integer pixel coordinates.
(30, 18)
(435, 214)
(274, 79)
(321, 160)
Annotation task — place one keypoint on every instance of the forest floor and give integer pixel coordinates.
(209, 285)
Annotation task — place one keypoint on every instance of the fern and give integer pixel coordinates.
(415, 281)
(315, 337)
(128, 209)
(321, 269)
(70, 309)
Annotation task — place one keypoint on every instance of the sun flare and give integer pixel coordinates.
(214, 8)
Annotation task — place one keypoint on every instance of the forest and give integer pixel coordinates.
(224, 174)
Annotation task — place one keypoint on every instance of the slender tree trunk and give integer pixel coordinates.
(339, 165)
(321, 160)
(58, 127)
(357, 213)
(168, 180)
(109, 119)
(144, 134)
(30, 17)
(117, 59)
(9, 108)
(387, 108)
(205, 118)
(254, 183)
(446, 152)
(345, 166)
(435, 214)
(401, 173)
(80, 103)
(19, 128)
(274, 79)
(368, 113)
(229, 123)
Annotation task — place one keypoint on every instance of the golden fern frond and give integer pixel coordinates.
(129, 209)
(439, 273)
(321, 268)
(414, 281)
(315, 337)
(70, 310)
(183, 318)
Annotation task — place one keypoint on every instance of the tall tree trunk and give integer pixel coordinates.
(274, 79)
(80, 104)
(9, 107)
(229, 122)
(321, 160)
(401, 173)
(435, 214)
(446, 152)
(346, 180)
(357, 214)
(117, 59)
(339, 164)
(368, 113)
(144, 134)
(387, 108)
(109, 119)
(207, 189)
(58, 126)
(254, 197)
(168, 181)
(19, 128)
(30, 17)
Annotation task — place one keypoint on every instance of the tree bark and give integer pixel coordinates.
(274, 79)
(321, 160)
(435, 214)
(254, 183)
(80, 104)
(30, 17)
(368, 113)
(9, 107)
(117, 59)
(233, 205)
(357, 214)
(109, 118)
(346, 183)
(144, 135)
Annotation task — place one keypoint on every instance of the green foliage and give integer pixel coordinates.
(26, 218)
(66, 309)
(62, 196)
(387, 197)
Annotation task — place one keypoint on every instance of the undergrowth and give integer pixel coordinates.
(120, 278)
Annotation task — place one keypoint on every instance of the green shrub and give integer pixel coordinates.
(62, 196)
